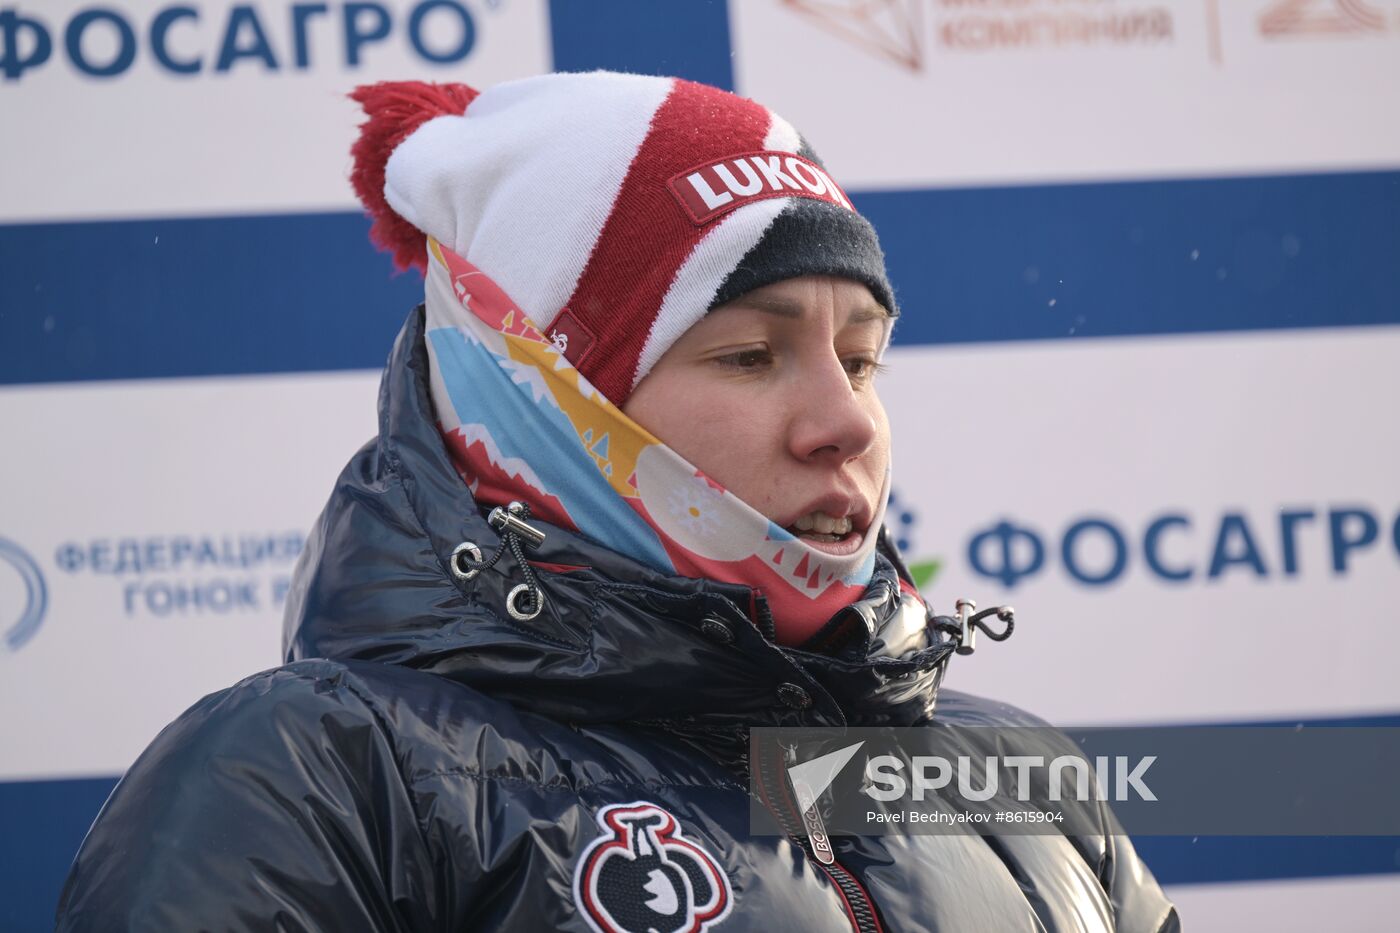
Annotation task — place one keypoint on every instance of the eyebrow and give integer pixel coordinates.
(792, 309)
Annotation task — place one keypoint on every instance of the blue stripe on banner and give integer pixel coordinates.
(1212, 859)
(44, 823)
(1136, 258)
(681, 38)
(140, 299)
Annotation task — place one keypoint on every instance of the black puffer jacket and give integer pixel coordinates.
(425, 762)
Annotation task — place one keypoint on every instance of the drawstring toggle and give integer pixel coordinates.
(525, 601)
(964, 628)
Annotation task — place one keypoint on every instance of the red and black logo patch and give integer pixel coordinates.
(642, 874)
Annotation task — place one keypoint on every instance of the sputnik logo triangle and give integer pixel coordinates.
(818, 773)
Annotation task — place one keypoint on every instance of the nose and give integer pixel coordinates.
(832, 421)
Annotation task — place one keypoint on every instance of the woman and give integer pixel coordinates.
(651, 322)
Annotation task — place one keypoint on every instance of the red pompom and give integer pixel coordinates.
(394, 110)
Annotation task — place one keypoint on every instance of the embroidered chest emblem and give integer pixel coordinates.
(642, 875)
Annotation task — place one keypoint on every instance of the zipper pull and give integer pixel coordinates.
(810, 814)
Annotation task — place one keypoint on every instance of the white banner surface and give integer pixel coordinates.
(913, 93)
(1193, 529)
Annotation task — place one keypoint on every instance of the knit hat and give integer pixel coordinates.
(615, 210)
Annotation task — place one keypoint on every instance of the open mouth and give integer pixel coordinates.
(826, 532)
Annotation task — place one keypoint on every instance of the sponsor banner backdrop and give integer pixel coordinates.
(163, 109)
(1195, 525)
(904, 93)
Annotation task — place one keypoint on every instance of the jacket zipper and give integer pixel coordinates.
(812, 839)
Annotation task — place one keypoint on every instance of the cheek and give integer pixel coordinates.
(720, 428)
(668, 408)
(738, 442)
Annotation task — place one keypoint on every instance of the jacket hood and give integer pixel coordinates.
(615, 642)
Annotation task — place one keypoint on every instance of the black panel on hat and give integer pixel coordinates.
(812, 238)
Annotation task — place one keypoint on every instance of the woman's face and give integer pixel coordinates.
(772, 396)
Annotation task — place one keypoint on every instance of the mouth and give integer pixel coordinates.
(836, 532)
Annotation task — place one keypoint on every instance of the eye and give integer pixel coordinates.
(863, 368)
(746, 359)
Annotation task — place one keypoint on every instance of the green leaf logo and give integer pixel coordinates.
(924, 571)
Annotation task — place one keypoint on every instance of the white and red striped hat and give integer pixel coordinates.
(614, 209)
